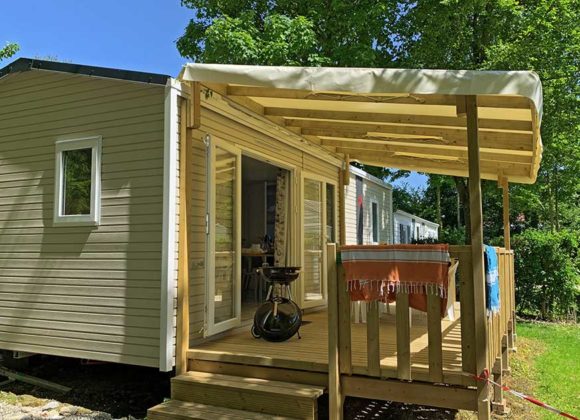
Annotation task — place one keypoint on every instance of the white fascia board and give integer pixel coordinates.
(357, 171)
(171, 139)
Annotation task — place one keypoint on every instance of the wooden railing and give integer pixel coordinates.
(493, 342)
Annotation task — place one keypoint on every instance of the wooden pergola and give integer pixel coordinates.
(478, 125)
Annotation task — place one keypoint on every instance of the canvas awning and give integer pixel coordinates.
(405, 119)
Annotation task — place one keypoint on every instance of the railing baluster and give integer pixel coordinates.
(434, 338)
(344, 323)
(373, 339)
(467, 310)
(403, 337)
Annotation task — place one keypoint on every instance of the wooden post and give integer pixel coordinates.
(476, 219)
(182, 333)
(345, 342)
(499, 403)
(335, 398)
(506, 213)
(194, 106)
(341, 207)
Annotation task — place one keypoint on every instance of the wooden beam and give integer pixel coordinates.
(336, 399)
(342, 205)
(383, 117)
(451, 136)
(353, 147)
(460, 107)
(506, 212)
(182, 333)
(503, 101)
(478, 272)
(392, 159)
(346, 170)
(410, 392)
(194, 106)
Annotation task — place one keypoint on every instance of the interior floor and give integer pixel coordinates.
(258, 229)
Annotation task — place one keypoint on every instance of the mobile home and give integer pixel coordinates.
(134, 207)
(89, 230)
(368, 209)
(409, 228)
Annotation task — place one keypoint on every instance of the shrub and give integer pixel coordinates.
(452, 236)
(547, 273)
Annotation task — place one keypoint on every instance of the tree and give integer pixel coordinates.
(8, 50)
(538, 35)
(288, 32)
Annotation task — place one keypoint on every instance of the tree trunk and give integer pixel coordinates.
(463, 192)
(438, 195)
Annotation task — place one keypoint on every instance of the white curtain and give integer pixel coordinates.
(281, 226)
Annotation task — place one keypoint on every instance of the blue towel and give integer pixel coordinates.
(491, 280)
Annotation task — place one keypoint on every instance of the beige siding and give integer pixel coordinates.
(88, 292)
(253, 136)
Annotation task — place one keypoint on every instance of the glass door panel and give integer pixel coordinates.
(314, 230)
(224, 250)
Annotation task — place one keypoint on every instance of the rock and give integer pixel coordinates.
(51, 405)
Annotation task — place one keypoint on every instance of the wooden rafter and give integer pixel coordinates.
(382, 117)
(403, 98)
(515, 140)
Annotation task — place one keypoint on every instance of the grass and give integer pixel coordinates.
(547, 366)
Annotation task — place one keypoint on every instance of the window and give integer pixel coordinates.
(375, 222)
(77, 181)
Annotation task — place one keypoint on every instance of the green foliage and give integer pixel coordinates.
(452, 235)
(77, 181)
(8, 50)
(292, 32)
(547, 270)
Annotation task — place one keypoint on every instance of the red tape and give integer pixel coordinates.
(485, 377)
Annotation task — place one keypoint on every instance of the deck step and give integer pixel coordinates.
(180, 410)
(250, 394)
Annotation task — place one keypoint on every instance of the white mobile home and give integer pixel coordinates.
(409, 228)
(368, 209)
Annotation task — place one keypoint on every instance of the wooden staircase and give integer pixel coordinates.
(203, 395)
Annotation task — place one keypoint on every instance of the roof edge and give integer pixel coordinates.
(369, 177)
(405, 213)
(27, 64)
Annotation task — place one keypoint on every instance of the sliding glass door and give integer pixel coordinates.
(224, 238)
(318, 228)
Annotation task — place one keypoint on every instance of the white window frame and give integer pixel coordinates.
(94, 217)
(374, 225)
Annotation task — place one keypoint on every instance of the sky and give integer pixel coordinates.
(126, 34)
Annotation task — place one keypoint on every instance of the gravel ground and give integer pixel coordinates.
(27, 407)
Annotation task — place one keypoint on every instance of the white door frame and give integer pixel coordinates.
(212, 327)
(324, 181)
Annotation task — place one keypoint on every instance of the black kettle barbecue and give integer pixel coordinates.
(279, 317)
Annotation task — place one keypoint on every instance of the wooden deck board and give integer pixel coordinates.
(311, 352)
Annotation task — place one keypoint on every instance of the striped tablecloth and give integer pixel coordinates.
(378, 272)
